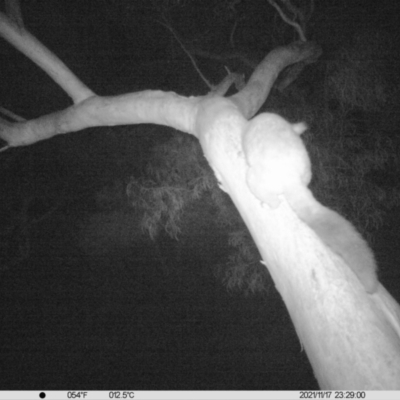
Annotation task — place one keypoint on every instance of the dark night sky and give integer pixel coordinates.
(103, 321)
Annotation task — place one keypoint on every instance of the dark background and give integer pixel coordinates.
(73, 320)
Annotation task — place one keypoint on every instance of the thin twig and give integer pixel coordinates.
(289, 21)
(11, 115)
(188, 54)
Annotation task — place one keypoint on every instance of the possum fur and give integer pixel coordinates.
(278, 164)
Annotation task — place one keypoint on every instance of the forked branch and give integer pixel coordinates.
(298, 17)
(156, 107)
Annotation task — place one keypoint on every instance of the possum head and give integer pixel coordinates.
(276, 156)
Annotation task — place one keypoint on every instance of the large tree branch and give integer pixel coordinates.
(352, 338)
(154, 107)
(135, 108)
(250, 99)
(27, 44)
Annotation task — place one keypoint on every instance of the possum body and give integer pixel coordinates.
(278, 164)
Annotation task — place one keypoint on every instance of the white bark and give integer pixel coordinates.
(352, 339)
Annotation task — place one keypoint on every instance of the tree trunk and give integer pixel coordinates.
(352, 338)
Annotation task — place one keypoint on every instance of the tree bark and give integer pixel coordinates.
(352, 338)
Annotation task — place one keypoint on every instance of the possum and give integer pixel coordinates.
(278, 164)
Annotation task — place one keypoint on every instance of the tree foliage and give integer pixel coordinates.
(175, 175)
(179, 182)
(347, 152)
(353, 152)
(356, 78)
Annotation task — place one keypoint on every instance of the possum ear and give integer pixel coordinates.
(299, 128)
